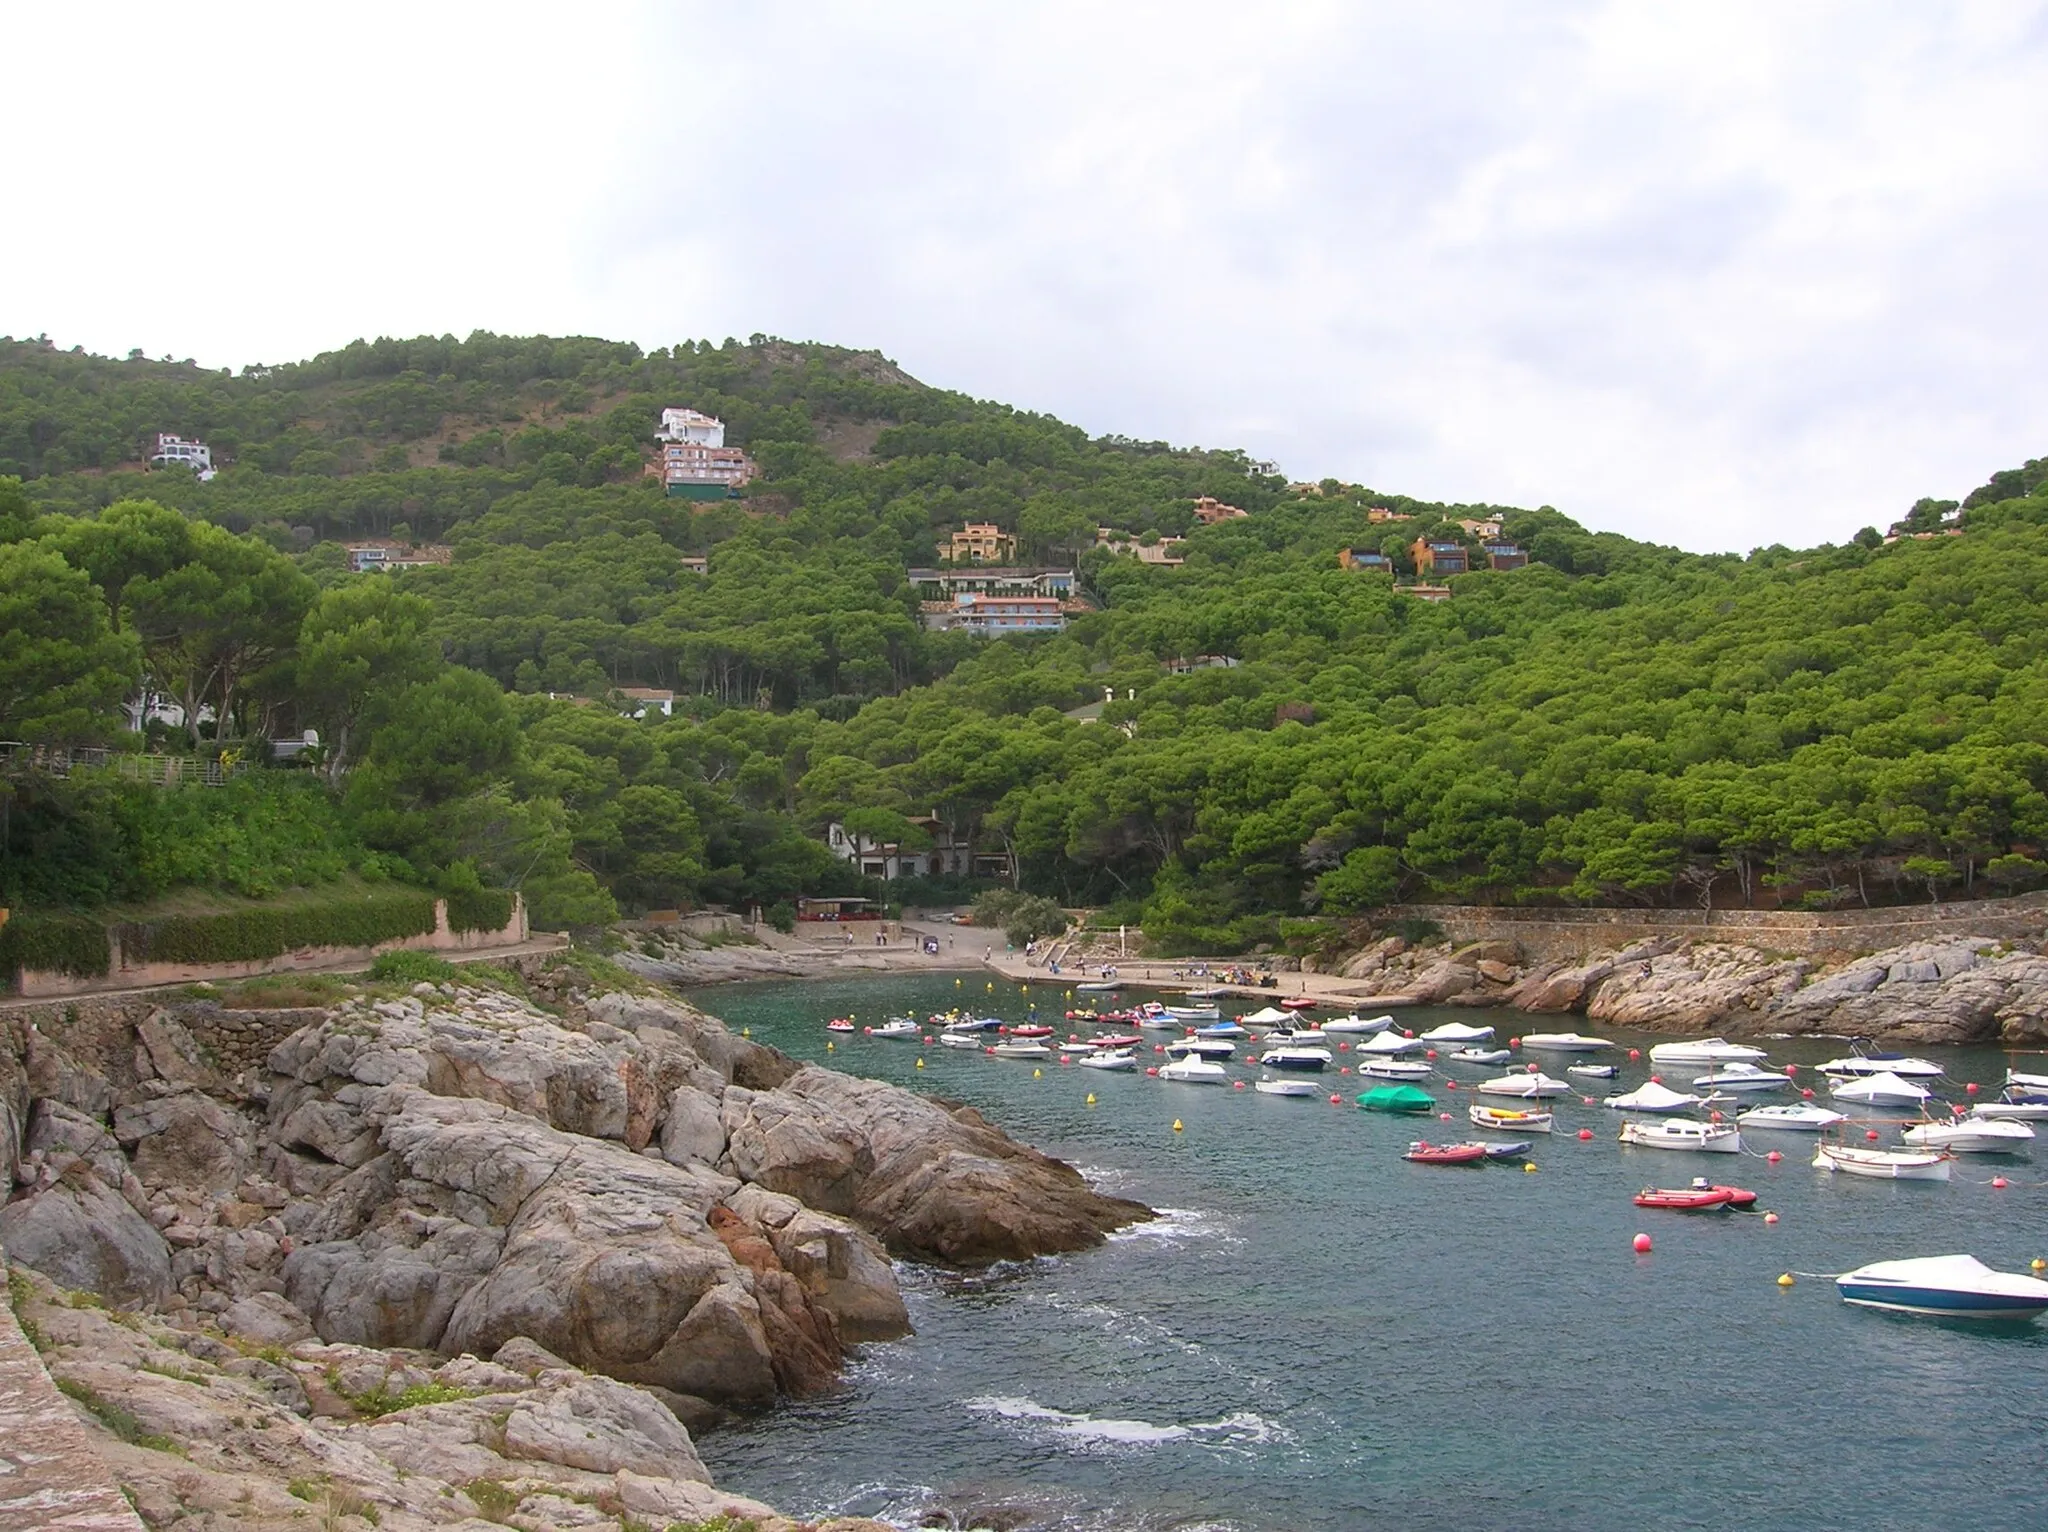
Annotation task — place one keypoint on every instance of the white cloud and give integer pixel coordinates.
(1716, 275)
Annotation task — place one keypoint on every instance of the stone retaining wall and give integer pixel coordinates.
(1555, 935)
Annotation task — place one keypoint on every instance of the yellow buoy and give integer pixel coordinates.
(828, 1045)
(746, 1031)
(1176, 1125)
(1528, 1165)
(956, 984)
(1038, 1074)
(1785, 1280)
(991, 986)
(2038, 1264)
(1091, 1098)
(1023, 989)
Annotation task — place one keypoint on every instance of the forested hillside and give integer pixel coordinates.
(1616, 722)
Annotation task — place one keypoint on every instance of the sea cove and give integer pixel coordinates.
(1321, 1336)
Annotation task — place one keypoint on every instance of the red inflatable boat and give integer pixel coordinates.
(1696, 1198)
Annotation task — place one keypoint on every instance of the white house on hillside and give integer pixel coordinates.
(689, 426)
(170, 449)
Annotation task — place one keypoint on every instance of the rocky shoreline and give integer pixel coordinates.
(450, 1257)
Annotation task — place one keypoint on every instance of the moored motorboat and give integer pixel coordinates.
(1221, 1029)
(1799, 1117)
(1481, 1058)
(1031, 1029)
(1882, 1164)
(970, 1023)
(1505, 1120)
(1700, 1197)
(1395, 1069)
(1025, 1050)
(1862, 1059)
(839, 1024)
(1512, 1151)
(2020, 1086)
(1195, 1012)
(1194, 1071)
(1268, 1016)
(1458, 1032)
(1355, 1024)
(1298, 1059)
(1309, 1035)
(1118, 1040)
(1683, 1133)
(1099, 987)
(1970, 1135)
(1652, 1097)
(1881, 1089)
(1396, 1098)
(1300, 1003)
(1700, 1050)
(2011, 1110)
(1201, 1047)
(1745, 1078)
(960, 1040)
(1592, 1071)
(1422, 1152)
(1564, 1042)
(1946, 1286)
(1270, 1087)
(1157, 1021)
(1076, 1048)
(1110, 1058)
(1529, 1087)
(1390, 1045)
(896, 1026)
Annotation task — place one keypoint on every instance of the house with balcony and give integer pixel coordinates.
(995, 616)
(1001, 580)
(1209, 511)
(1370, 560)
(1433, 557)
(680, 425)
(1505, 556)
(950, 853)
(982, 542)
(174, 451)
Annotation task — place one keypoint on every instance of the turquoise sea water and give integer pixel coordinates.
(1320, 1335)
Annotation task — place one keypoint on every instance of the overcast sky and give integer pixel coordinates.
(1721, 275)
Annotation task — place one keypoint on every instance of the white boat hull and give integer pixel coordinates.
(1288, 1088)
(1707, 1050)
(1499, 1121)
(1358, 1026)
(1194, 1072)
(1394, 1069)
(1965, 1137)
(1792, 1119)
(1946, 1287)
(1699, 1137)
(1881, 1164)
(1564, 1042)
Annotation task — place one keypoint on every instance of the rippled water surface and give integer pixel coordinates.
(1320, 1335)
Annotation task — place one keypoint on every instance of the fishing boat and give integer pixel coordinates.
(2011, 1110)
(1298, 1059)
(1683, 1133)
(1700, 1197)
(2025, 1087)
(1457, 1032)
(1356, 1025)
(1194, 1071)
(1970, 1135)
(1882, 1164)
(1391, 1045)
(1221, 1029)
(1564, 1042)
(1201, 1047)
(1422, 1152)
(1023, 1050)
(1701, 1050)
(1530, 1087)
(1395, 1069)
(1503, 1120)
(1863, 1059)
(1110, 1058)
(1802, 1117)
(1652, 1097)
(1744, 1078)
(1881, 1089)
(1946, 1286)
(1592, 1071)
(896, 1026)
(1481, 1058)
(1195, 1012)
(1271, 1087)
(959, 1040)
(839, 1024)
(1396, 1098)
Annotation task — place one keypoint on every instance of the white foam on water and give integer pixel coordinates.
(1241, 1428)
(1178, 1225)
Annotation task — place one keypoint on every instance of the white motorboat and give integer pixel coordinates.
(896, 1026)
(1529, 1087)
(1458, 1032)
(1389, 1045)
(1298, 1059)
(1395, 1069)
(1110, 1058)
(2013, 1111)
(1195, 1012)
(1354, 1024)
(1970, 1135)
(1799, 1117)
(1883, 1164)
(1746, 1078)
(970, 1023)
(1701, 1050)
(1946, 1286)
(1507, 1120)
(1863, 1060)
(1268, 1016)
(1222, 1029)
(1077, 1049)
(1209, 992)
(1194, 1071)
(1652, 1097)
(1309, 1036)
(960, 1040)
(1564, 1042)
(1099, 987)
(1030, 1048)
(1201, 1047)
(1683, 1133)
(2025, 1087)
(1270, 1087)
(1592, 1071)
(1481, 1058)
(1158, 1021)
(1882, 1089)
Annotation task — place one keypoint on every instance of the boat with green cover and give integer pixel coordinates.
(1397, 1098)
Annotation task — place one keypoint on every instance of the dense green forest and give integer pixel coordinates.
(1616, 722)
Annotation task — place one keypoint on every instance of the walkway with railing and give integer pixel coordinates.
(17, 759)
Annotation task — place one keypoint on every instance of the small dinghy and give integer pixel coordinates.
(1422, 1152)
(1194, 1071)
(1504, 1120)
(1119, 1040)
(1970, 1135)
(1805, 1117)
(1512, 1151)
(1882, 1164)
(1882, 1089)
(1157, 1021)
(1481, 1058)
(974, 1024)
(1395, 1069)
(1299, 1003)
(1110, 1058)
(1222, 1029)
(1023, 1050)
(896, 1026)
(1309, 1035)
(1299, 1060)
(1564, 1042)
(1356, 1025)
(1077, 1049)
(839, 1024)
(1201, 1047)
(1651, 1097)
(1701, 1050)
(1945, 1286)
(1270, 1087)
(1683, 1133)
(1529, 1087)
(1458, 1032)
(1591, 1071)
(1099, 987)
(1746, 1078)
(1387, 1045)
(1034, 1029)
(960, 1040)
(1700, 1197)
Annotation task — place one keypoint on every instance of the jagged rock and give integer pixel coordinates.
(397, 1285)
(83, 1234)
(266, 1319)
(1559, 989)
(185, 1139)
(524, 1354)
(1703, 988)
(172, 1053)
(1440, 981)
(844, 1268)
(1494, 950)
(693, 1130)
(602, 1427)
(1496, 970)
(1959, 991)
(331, 1130)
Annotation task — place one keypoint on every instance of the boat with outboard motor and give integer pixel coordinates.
(1195, 1012)
(1422, 1152)
(1356, 1025)
(1458, 1032)
(1125, 1059)
(896, 1026)
(1298, 1059)
(1881, 1089)
(1194, 1071)
(1744, 1078)
(1864, 1059)
(1883, 1164)
(1480, 1058)
(1395, 1069)
(1683, 1133)
(1221, 1029)
(2020, 1086)
(1592, 1071)
(1505, 1120)
(961, 1040)
(1700, 1197)
(1796, 1117)
(1652, 1097)
(2012, 1111)
(1028, 1049)
(1271, 1087)
(1529, 1087)
(1970, 1134)
(1201, 1047)
(1564, 1042)
(1118, 1040)
(1031, 1029)
(969, 1023)
(1945, 1287)
(1701, 1050)
(839, 1024)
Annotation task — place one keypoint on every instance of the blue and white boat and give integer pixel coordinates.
(1947, 1286)
(1221, 1029)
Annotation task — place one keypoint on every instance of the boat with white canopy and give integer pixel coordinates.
(1652, 1097)
(1701, 1050)
(1970, 1135)
(1194, 1071)
(1564, 1042)
(1529, 1087)
(1945, 1286)
(1458, 1032)
(1745, 1078)
(1355, 1025)
(1796, 1117)
(1390, 1045)
(1882, 1089)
